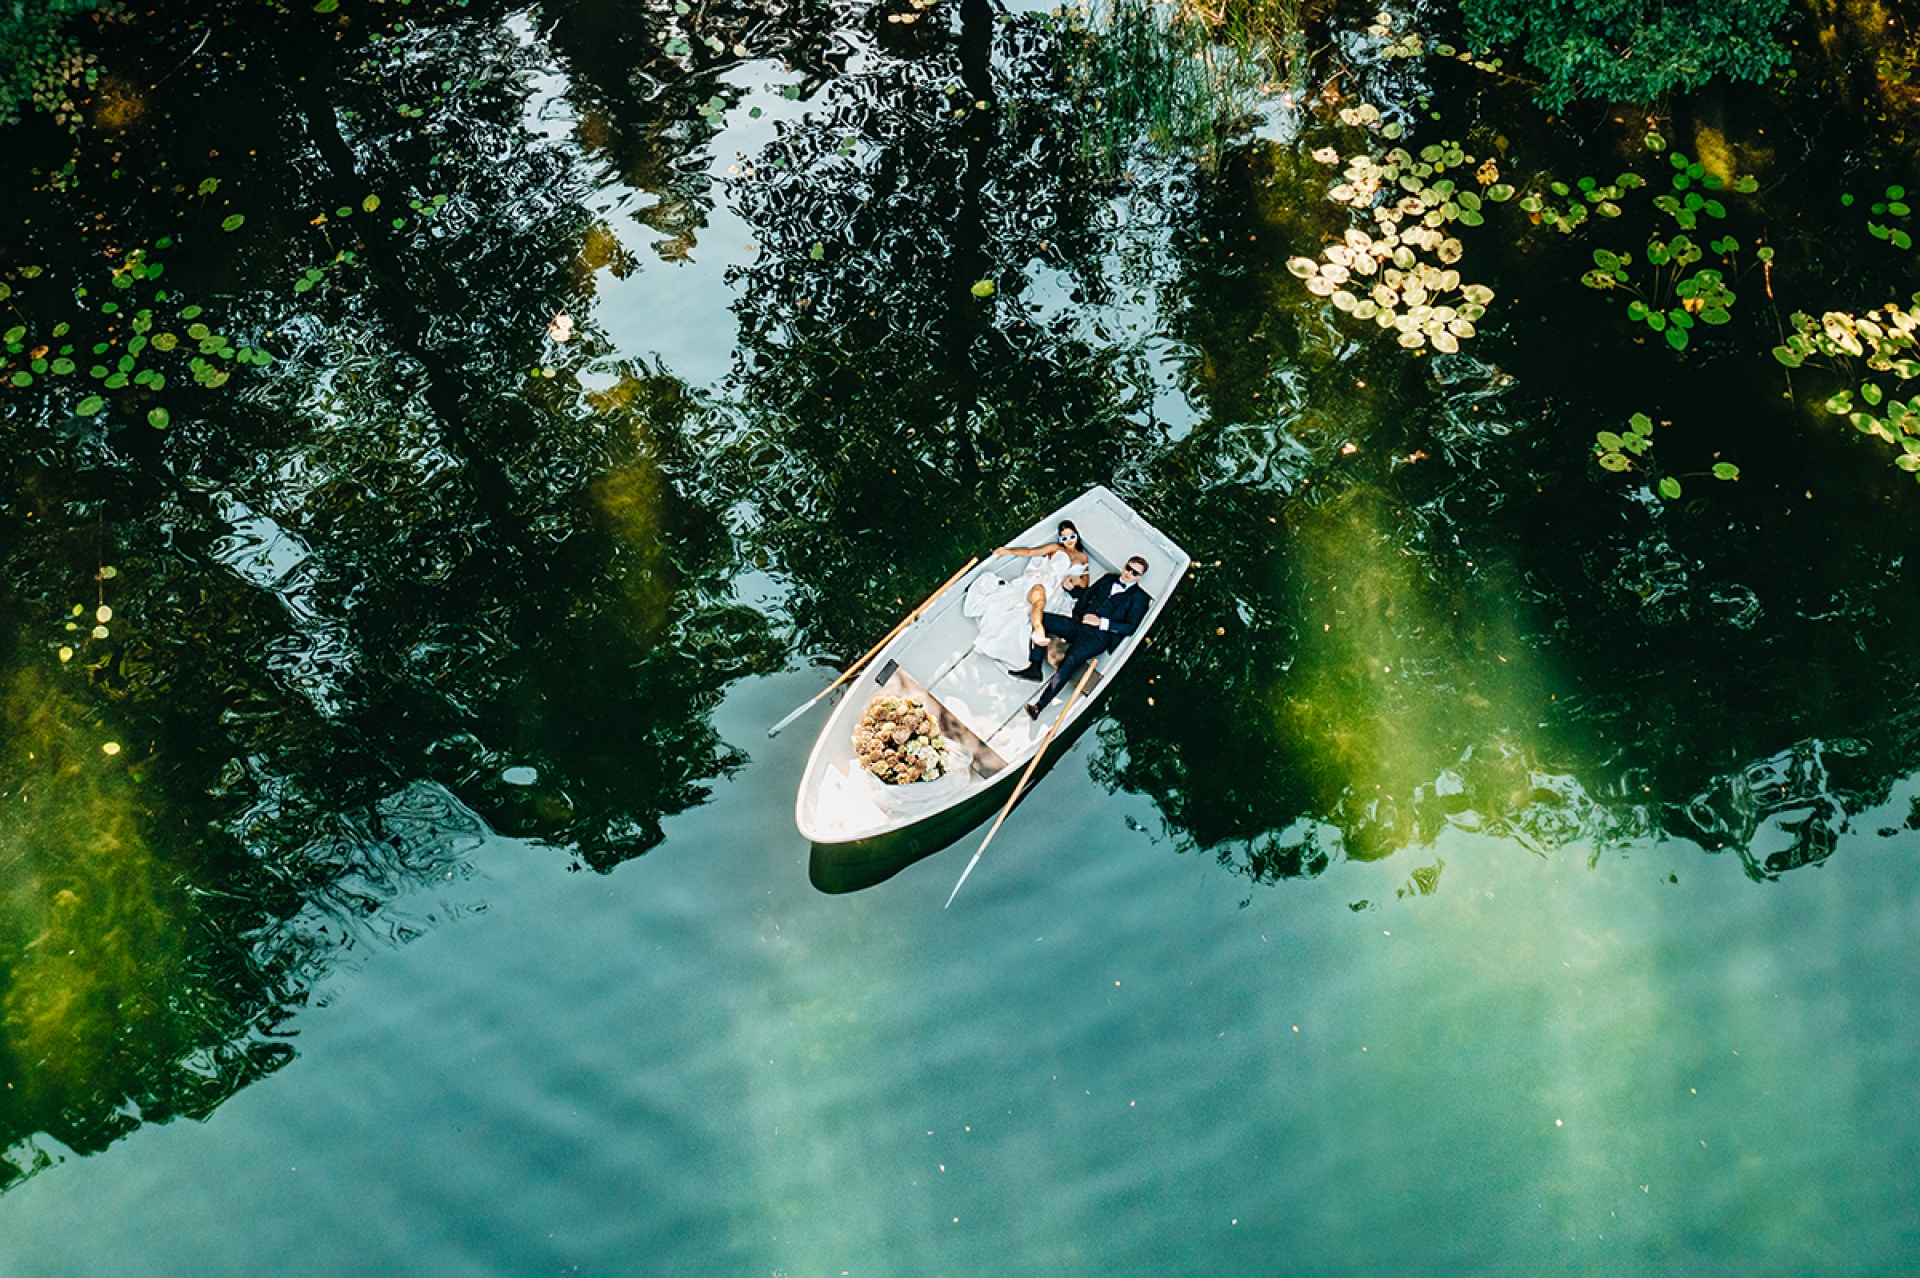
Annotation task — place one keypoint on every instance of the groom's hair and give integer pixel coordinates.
(1137, 560)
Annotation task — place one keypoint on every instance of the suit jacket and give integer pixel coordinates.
(1124, 612)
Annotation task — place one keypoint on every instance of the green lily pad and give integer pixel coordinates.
(1670, 488)
(233, 222)
(159, 418)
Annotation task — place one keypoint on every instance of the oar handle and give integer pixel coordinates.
(884, 641)
(1021, 786)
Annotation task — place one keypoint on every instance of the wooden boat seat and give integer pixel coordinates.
(896, 681)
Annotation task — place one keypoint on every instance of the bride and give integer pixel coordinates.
(1010, 612)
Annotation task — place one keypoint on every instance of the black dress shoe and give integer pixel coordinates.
(1033, 712)
(1035, 672)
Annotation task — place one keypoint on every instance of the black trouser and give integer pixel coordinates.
(1084, 643)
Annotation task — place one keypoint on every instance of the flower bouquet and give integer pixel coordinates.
(898, 741)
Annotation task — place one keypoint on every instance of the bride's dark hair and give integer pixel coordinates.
(1067, 525)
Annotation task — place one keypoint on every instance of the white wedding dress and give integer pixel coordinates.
(1006, 626)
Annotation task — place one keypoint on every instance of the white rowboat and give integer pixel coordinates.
(845, 812)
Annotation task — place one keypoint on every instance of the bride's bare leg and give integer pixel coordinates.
(1036, 608)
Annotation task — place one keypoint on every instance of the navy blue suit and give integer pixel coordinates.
(1124, 612)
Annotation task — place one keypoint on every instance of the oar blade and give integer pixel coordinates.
(774, 731)
(963, 877)
(1027, 776)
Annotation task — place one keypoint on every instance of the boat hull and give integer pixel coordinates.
(862, 832)
(855, 864)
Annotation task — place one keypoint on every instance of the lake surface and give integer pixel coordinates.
(1494, 866)
(1100, 1060)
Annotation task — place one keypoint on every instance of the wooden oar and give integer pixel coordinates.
(1025, 777)
(855, 667)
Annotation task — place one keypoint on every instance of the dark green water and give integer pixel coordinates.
(1493, 867)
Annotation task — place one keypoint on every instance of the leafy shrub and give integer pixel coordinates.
(1632, 50)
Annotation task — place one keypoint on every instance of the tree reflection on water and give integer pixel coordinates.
(389, 584)
(437, 571)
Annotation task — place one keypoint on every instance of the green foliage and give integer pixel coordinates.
(1892, 207)
(1380, 275)
(119, 358)
(1887, 338)
(1632, 50)
(36, 53)
(1674, 300)
(1617, 451)
(1179, 78)
(1602, 200)
(1687, 206)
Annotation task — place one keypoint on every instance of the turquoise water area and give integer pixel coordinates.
(1098, 1061)
(1494, 866)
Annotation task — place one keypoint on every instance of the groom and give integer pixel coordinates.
(1107, 611)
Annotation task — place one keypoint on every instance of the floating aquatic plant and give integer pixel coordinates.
(1673, 300)
(1588, 197)
(1880, 337)
(1685, 205)
(1893, 206)
(117, 359)
(1602, 200)
(1411, 44)
(1400, 274)
(1619, 451)
(1886, 339)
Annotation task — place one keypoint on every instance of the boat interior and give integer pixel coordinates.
(973, 697)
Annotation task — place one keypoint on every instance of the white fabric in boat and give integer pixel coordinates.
(843, 809)
(918, 798)
(1005, 617)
